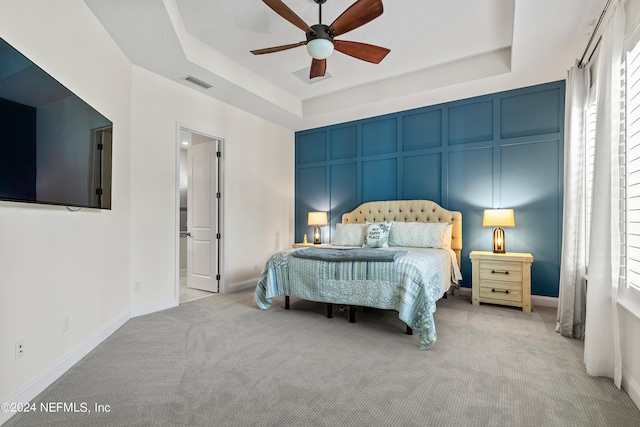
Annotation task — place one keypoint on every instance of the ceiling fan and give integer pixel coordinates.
(320, 38)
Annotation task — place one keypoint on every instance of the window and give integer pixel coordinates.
(589, 152)
(631, 165)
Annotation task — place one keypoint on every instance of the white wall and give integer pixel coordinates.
(630, 349)
(83, 264)
(54, 262)
(258, 181)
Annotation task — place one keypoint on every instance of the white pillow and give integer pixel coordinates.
(377, 235)
(350, 234)
(446, 237)
(419, 234)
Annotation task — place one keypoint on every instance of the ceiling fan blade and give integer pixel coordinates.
(358, 14)
(318, 68)
(363, 51)
(277, 48)
(283, 10)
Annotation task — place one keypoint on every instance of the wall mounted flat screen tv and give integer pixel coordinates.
(54, 147)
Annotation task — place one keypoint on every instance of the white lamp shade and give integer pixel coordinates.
(498, 218)
(317, 218)
(320, 48)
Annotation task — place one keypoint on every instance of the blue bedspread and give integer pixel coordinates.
(410, 285)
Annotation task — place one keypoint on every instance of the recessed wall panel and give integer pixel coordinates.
(379, 178)
(344, 191)
(530, 180)
(470, 191)
(529, 114)
(422, 130)
(379, 137)
(470, 179)
(311, 147)
(311, 196)
(471, 123)
(344, 143)
(422, 177)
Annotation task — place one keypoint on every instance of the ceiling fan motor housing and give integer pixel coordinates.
(320, 32)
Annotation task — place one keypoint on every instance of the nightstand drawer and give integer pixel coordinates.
(501, 271)
(501, 291)
(501, 279)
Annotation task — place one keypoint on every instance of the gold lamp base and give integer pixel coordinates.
(498, 241)
(316, 235)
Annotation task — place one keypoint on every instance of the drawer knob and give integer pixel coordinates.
(499, 272)
(506, 291)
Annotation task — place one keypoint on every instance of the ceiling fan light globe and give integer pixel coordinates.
(320, 48)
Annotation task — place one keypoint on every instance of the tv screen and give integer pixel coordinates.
(54, 147)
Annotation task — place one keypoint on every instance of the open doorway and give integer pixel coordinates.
(199, 218)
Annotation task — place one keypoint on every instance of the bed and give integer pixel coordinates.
(422, 263)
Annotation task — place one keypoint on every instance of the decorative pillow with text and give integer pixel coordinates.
(377, 235)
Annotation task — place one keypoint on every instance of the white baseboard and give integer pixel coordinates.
(544, 301)
(538, 300)
(241, 286)
(32, 389)
(631, 387)
(141, 310)
(462, 291)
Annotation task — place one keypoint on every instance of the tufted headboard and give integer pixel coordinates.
(409, 211)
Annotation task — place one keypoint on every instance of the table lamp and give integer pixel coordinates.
(317, 219)
(498, 218)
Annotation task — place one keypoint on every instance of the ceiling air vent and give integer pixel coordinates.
(198, 82)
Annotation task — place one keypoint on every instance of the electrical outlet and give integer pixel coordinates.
(19, 348)
(65, 323)
(137, 286)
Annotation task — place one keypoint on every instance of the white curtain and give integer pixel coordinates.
(602, 334)
(571, 300)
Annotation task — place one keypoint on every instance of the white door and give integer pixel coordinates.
(202, 217)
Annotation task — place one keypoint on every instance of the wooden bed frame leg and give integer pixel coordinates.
(286, 302)
(329, 310)
(352, 314)
(409, 330)
(445, 296)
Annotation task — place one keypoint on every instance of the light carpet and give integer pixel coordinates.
(221, 361)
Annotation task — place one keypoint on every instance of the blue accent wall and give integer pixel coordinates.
(499, 150)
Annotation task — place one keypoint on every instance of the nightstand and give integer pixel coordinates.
(503, 279)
